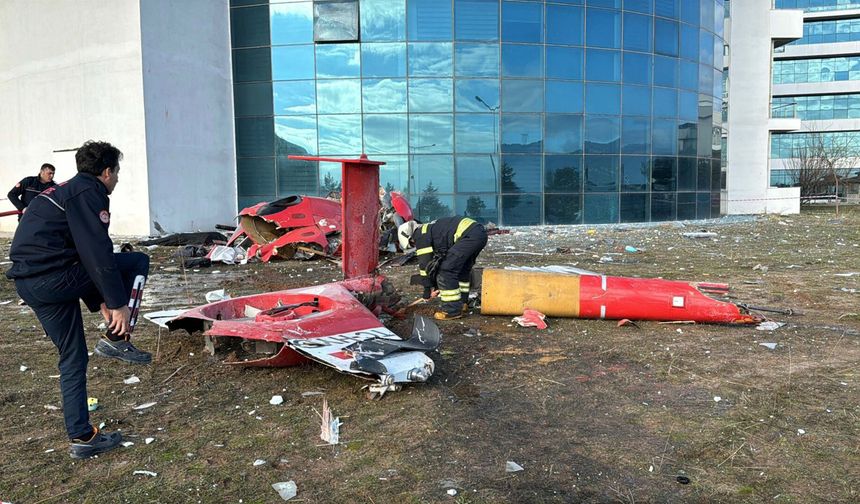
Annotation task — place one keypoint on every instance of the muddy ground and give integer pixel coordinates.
(592, 412)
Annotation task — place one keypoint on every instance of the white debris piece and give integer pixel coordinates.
(286, 489)
(259, 462)
(800, 432)
(49, 450)
(717, 398)
(23, 368)
(849, 274)
(145, 473)
(217, 295)
(769, 325)
(276, 400)
(451, 492)
(144, 406)
(251, 312)
(5, 302)
(511, 466)
(51, 407)
(149, 440)
(330, 428)
(700, 234)
(770, 346)
(312, 393)
(160, 318)
(131, 380)
(126, 444)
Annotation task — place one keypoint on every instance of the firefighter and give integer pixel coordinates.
(29, 187)
(61, 254)
(447, 249)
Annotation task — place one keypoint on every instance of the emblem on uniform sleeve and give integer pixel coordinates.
(104, 216)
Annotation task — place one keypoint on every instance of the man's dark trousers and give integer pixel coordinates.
(454, 272)
(55, 298)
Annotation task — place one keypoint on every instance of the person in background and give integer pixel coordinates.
(29, 187)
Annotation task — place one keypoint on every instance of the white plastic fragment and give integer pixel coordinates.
(216, 295)
(259, 462)
(23, 368)
(149, 440)
(717, 398)
(126, 444)
(800, 432)
(144, 406)
(51, 407)
(330, 427)
(145, 473)
(769, 325)
(276, 400)
(770, 346)
(49, 450)
(312, 393)
(131, 380)
(511, 466)
(286, 489)
(451, 492)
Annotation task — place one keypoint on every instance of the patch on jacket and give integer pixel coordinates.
(104, 216)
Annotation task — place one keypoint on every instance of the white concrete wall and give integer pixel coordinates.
(188, 97)
(70, 71)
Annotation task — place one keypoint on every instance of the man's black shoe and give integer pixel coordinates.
(101, 442)
(122, 350)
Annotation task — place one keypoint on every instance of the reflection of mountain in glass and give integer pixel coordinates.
(295, 175)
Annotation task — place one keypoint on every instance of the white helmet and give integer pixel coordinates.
(404, 233)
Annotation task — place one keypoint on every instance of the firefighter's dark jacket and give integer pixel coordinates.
(65, 225)
(435, 239)
(24, 191)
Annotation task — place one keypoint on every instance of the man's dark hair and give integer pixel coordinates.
(48, 166)
(93, 157)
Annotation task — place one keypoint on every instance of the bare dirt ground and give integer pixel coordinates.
(592, 412)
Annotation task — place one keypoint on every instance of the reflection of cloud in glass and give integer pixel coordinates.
(385, 134)
(338, 60)
(340, 134)
(383, 19)
(522, 96)
(477, 173)
(431, 133)
(339, 96)
(395, 171)
(300, 134)
(385, 95)
(521, 133)
(293, 62)
(476, 133)
(563, 134)
(430, 95)
(468, 89)
(296, 97)
(477, 60)
(291, 23)
(430, 59)
(435, 170)
(383, 60)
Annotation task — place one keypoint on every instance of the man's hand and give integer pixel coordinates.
(120, 319)
(103, 309)
(434, 293)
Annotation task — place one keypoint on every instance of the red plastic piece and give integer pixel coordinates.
(401, 206)
(10, 212)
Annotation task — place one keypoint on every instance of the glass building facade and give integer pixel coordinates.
(516, 112)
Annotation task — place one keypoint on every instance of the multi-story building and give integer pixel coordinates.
(512, 111)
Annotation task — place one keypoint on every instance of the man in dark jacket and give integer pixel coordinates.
(62, 253)
(447, 249)
(29, 187)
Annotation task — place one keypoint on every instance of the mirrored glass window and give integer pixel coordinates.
(394, 174)
(520, 60)
(563, 97)
(385, 134)
(477, 173)
(635, 207)
(639, 5)
(336, 20)
(686, 206)
(663, 173)
(602, 65)
(476, 95)
(483, 208)
(476, 19)
(293, 62)
(429, 206)
(686, 174)
(665, 102)
(252, 99)
(563, 63)
(522, 95)
(296, 135)
(668, 8)
(431, 133)
(384, 95)
(662, 206)
(665, 71)
(476, 60)
(635, 173)
(296, 176)
(637, 100)
(430, 60)
(383, 20)
(689, 75)
(249, 27)
(431, 95)
(601, 208)
(521, 174)
(706, 43)
(602, 98)
(522, 133)
(563, 209)
(602, 134)
(337, 61)
(603, 28)
(475, 133)
(339, 96)
(340, 135)
(562, 173)
(637, 32)
(432, 174)
(690, 12)
(563, 134)
(664, 137)
(522, 22)
(383, 60)
(703, 174)
(563, 25)
(429, 20)
(252, 65)
(330, 178)
(294, 97)
(636, 135)
(605, 3)
(703, 206)
(665, 37)
(521, 210)
(254, 137)
(689, 42)
(601, 173)
(291, 23)
(687, 138)
(688, 105)
(637, 68)
(256, 176)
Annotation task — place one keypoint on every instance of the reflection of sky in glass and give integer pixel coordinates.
(395, 171)
(477, 60)
(296, 97)
(468, 89)
(337, 60)
(563, 96)
(521, 133)
(383, 60)
(477, 173)
(330, 177)
(429, 19)
(299, 133)
(383, 19)
(522, 60)
(476, 133)
(340, 135)
(430, 95)
(522, 96)
(430, 60)
(602, 134)
(385, 134)
(431, 133)
(291, 23)
(438, 170)
(384, 95)
(477, 19)
(293, 62)
(339, 96)
(563, 134)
